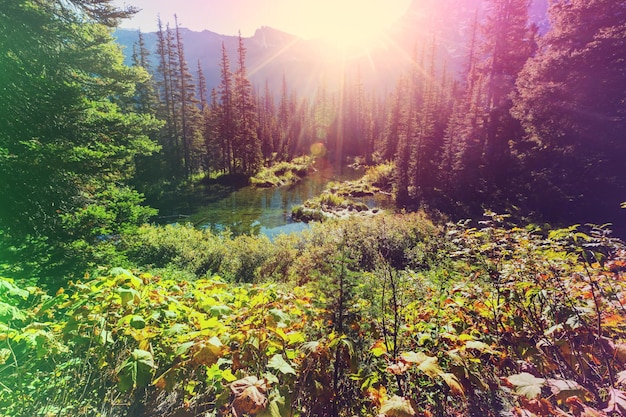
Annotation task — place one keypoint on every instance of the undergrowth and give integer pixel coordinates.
(388, 316)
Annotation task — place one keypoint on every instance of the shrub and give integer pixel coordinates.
(182, 246)
(380, 176)
(243, 256)
(282, 173)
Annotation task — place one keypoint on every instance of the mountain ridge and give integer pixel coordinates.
(273, 54)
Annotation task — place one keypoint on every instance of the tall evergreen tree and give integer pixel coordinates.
(227, 126)
(571, 97)
(145, 99)
(66, 146)
(285, 113)
(267, 123)
(167, 80)
(508, 42)
(190, 118)
(246, 144)
(202, 88)
(213, 144)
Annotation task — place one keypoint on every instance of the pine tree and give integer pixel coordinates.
(508, 42)
(285, 114)
(570, 100)
(190, 118)
(226, 127)
(174, 116)
(246, 144)
(67, 147)
(213, 146)
(202, 88)
(267, 123)
(164, 86)
(145, 99)
(424, 143)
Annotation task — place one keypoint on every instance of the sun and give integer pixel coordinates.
(353, 24)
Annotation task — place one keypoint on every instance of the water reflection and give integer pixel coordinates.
(250, 210)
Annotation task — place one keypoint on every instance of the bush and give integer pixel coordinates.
(243, 257)
(381, 176)
(282, 173)
(182, 246)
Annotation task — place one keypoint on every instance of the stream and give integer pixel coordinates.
(251, 210)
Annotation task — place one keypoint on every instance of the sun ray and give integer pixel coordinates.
(271, 58)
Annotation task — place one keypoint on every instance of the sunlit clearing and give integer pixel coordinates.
(355, 24)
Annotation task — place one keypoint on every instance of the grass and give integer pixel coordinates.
(283, 173)
(327, 205)
(337, 199)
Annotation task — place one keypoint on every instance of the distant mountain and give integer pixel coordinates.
(306, 64)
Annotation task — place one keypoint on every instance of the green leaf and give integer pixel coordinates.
(176, 328)
(296, 337)
(115, 272)
(51, 302)
(280, 317)
(218, 311)
(8, 287)
(10, 313)
(136, 371)
(128, 295)
(4, 355)
(379, 349)
(137, 322)
(227, 374)
(274, 409)
(526, 384)
(183, 348)
(278, 362)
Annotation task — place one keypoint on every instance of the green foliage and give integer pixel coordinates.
(283, 173)
(380, 176)
(243, 257)
(67, 140)
(76, 352)
(183, 246)
(389, 316)
(327, 205)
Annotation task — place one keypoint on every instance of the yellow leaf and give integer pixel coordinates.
(614, 320)
(453, 383)
(431, 367)
(414, 357)
(480, 346)
(377, 396)
(465, 337)
(397, 407)
(379, 348)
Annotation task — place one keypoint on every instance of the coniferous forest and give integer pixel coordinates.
(493, 285)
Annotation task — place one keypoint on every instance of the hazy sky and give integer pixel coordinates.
(304, 18)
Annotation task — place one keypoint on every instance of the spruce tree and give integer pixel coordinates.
(247, 146)
(67, 147)
(145, 99)
(570, 100)
(226, 126)
(190, 118)
(508, 42)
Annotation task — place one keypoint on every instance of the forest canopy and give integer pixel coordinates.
(473, 296)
